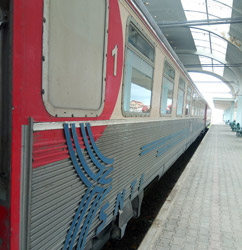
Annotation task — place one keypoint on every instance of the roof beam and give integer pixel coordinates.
(199, 22)
(229, 65)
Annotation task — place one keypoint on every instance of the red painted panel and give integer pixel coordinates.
(27, 58)
(50, 146)
(4, 226)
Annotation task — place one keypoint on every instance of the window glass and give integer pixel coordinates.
(140, 43)
(138, 78)
(198, 109)
(167, 90)
(194, 103)
(188, 102)
(202, 109)
(180, 96)
(167, 96)
(169, 71)
(74, 49)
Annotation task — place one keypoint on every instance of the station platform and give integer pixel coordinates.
(204, 210)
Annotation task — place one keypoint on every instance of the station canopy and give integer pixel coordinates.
(206, 35)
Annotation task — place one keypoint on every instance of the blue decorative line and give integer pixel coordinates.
(159, 140)
(172, 142)
(94, 160)
(73, 157)
(162, 150)
(158, 143)
(99, 154)
(106, 181)
(75, 219)
(81, 157)
(84, 216)
(94, 191)
(91, 219)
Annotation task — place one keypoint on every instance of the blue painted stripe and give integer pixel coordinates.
(94, 191)
(81, 242)
(81, 157)
(73, 157)
(88, 223)
(75, 219)
(157, 141)
(162, 150)
(177, 140)
(93, 158)
(103, 179)
(174, 139)
(160, 142)
(99, 154)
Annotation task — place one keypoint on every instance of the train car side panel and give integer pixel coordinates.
(134, 154)
(27, 99)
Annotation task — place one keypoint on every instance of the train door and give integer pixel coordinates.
(5, 125)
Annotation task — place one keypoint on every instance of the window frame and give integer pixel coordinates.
(70, 112)
(129, 46)
(173, 82)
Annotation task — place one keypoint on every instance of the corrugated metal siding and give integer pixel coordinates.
(57, 190)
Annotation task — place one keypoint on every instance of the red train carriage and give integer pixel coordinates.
(94, 106)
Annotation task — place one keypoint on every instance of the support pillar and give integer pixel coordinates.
(239, 111)
(227, 115)
(231, 116)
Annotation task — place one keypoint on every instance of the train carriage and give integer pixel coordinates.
(94, 107)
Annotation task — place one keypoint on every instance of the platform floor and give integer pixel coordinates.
(204, 210)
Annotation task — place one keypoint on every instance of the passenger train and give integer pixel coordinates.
(95, 105)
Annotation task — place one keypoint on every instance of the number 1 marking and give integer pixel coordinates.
(115, 54)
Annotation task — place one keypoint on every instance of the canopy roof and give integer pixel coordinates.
(205, 34)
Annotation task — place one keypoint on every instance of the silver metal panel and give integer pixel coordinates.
(57, 190)
(26, 178)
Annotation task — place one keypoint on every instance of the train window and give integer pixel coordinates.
(167, 90)
(74, 65)
(198, 109)
(202, 109)
(138, 80)
(194, 103)
(180, 96)
(188, 101)
(140, 43)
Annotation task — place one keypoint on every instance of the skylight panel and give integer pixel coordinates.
(200, 35)
(195, 15)
(218, 70)
(205, 35)
(220, 8)
(219, 45)
(202, 43)
(205, 63)
(194, 6)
